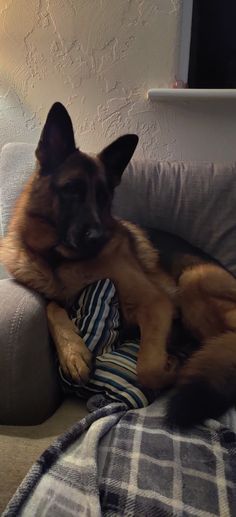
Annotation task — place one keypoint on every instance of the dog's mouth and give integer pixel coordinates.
(92, 249)
(84, 249)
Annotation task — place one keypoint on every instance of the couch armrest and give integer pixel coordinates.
(3, 272)
(29, 390)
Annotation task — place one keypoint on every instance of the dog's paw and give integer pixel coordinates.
(74, 357)
(172, 364)
(158, 375)
(76, 362)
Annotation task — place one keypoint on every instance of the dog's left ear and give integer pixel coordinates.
(57, 140)
(116, 157)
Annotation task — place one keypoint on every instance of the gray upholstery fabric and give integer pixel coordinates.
(28, 378)
(195, 201)
(28, 381)
(3, 272)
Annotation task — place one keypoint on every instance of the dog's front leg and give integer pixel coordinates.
(142, 303)
(155, 368)
(74, 357)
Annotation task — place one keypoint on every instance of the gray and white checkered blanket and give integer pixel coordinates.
(119, 462)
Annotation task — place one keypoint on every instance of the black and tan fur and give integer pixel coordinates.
(63, 237)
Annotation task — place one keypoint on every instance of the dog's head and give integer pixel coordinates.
(83, 184)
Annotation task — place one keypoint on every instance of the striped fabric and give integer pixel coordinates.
(97, 317)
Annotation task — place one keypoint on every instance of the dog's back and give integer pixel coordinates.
(175, 253)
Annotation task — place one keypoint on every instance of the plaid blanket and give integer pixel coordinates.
(119, 462)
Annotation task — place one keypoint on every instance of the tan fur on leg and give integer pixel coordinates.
(74, 357)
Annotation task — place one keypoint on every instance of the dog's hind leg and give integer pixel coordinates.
(206, 385)
(207, 300)
(155, 368)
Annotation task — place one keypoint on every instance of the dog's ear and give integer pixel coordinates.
(57, 140)
(116, 157)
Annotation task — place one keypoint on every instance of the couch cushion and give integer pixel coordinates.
(194, 201)
(3, 272)
(29, 386)
(22, 446)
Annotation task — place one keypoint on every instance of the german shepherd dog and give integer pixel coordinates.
(62, 237)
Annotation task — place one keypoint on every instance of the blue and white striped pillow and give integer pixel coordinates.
(97, 317)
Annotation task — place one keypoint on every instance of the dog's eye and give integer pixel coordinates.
(75, 188)
(69, 188)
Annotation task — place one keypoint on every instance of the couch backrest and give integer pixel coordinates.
(193, 200)
(196, 201)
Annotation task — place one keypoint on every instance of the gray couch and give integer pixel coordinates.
(186, 199)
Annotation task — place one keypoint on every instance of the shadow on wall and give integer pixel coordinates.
(200, 130)
(17, 122)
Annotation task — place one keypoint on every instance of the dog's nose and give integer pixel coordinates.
(94, 234)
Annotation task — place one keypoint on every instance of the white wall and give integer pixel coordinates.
(99, 57)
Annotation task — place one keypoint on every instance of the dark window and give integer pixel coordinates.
(212, 61)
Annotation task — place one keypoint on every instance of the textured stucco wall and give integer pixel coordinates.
(99, 57)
